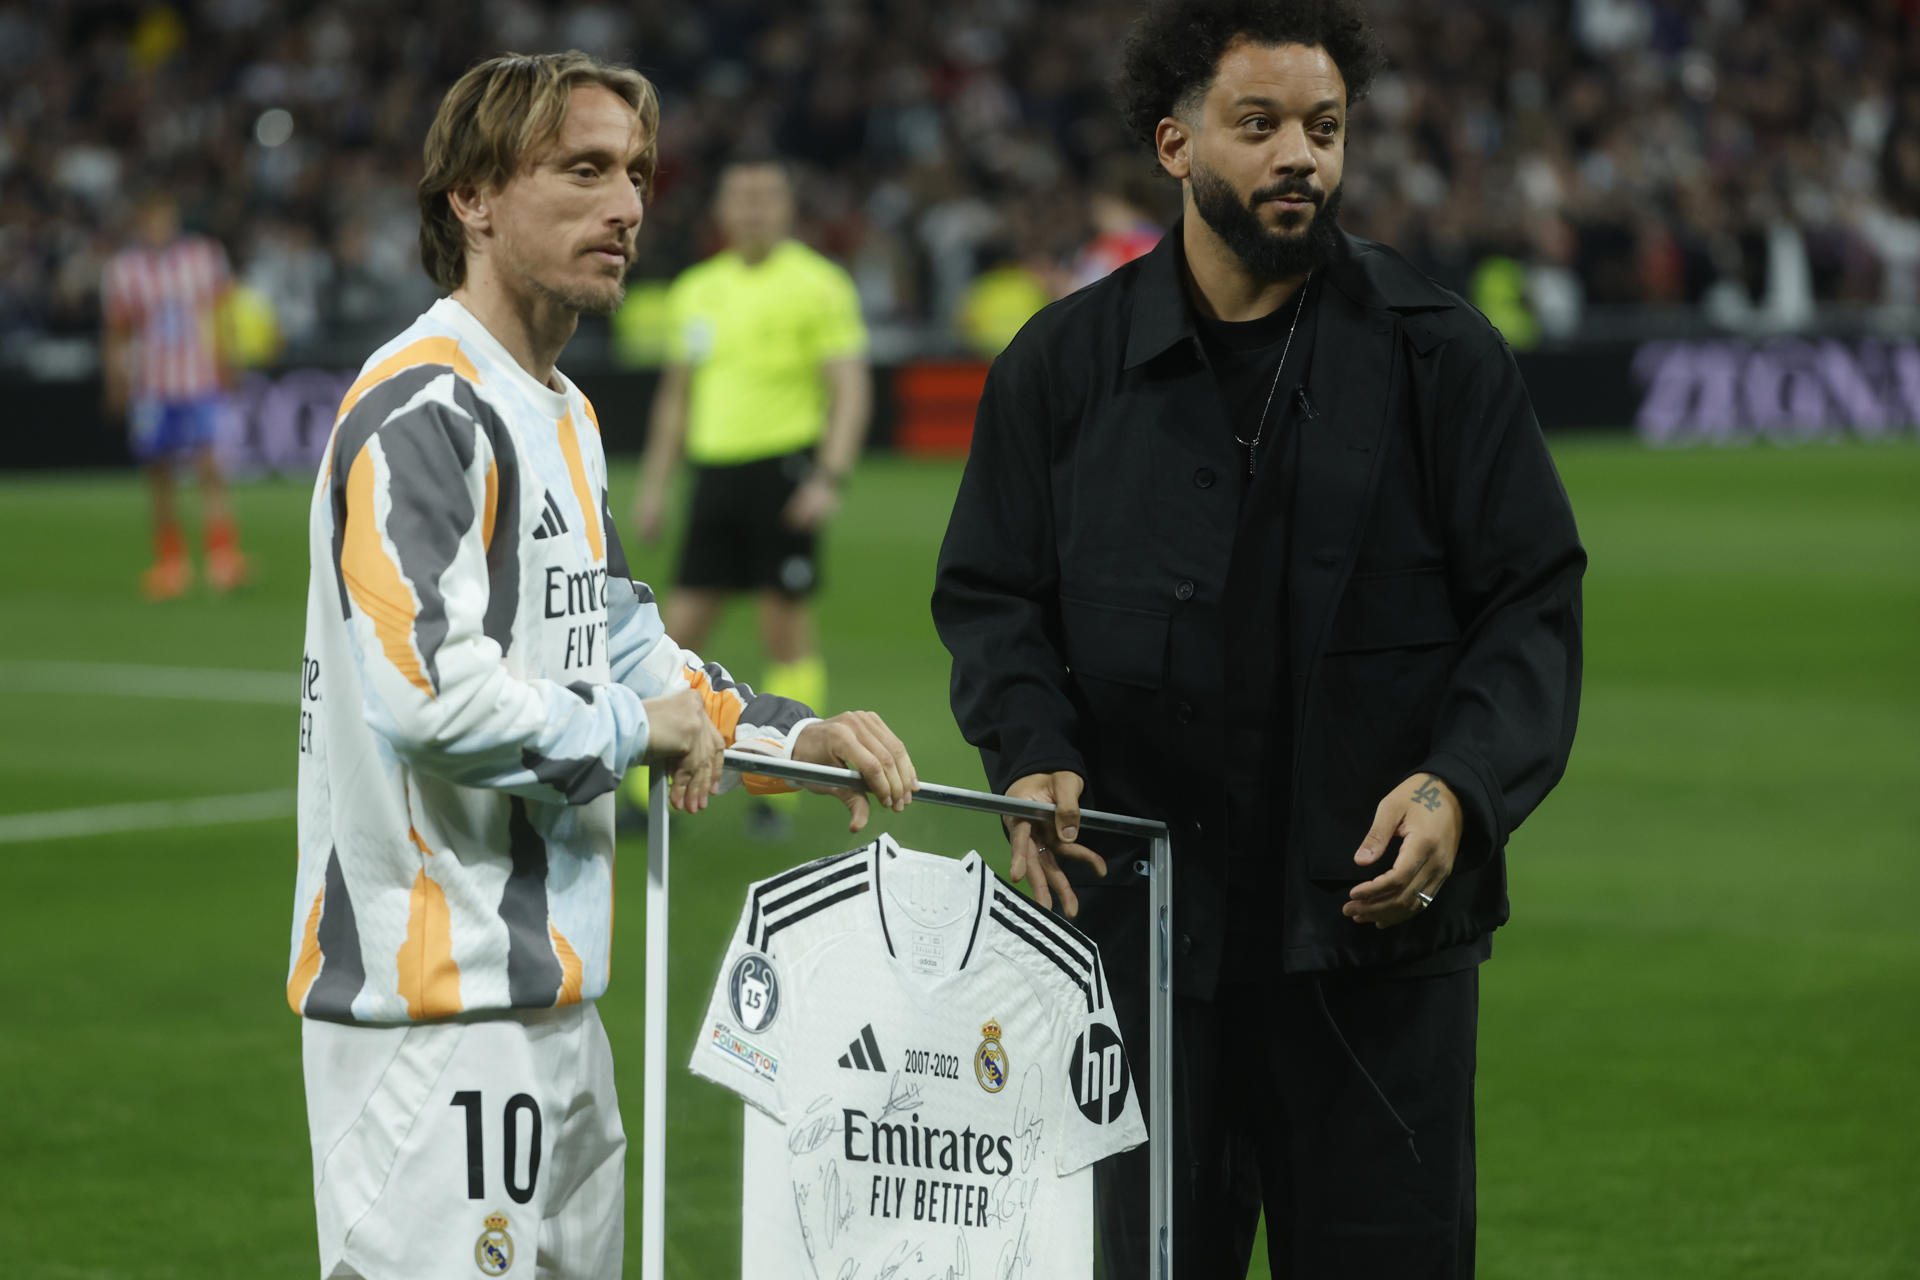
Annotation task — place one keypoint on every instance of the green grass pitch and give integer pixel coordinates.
(1700, 1034)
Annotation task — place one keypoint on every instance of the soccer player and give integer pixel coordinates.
(480, 671)
(767, 389)
(1123, 229)
(166, 368)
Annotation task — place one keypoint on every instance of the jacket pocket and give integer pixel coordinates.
(1397, 609)
(1373, 707)
(1109, 642)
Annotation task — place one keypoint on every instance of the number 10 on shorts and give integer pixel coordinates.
(511, 1122)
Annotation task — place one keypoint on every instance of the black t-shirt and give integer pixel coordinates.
(1263, 403)
(1244, 357)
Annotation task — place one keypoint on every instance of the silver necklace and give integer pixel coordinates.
(1260, 429)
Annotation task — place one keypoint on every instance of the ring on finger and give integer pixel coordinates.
(1426, 899)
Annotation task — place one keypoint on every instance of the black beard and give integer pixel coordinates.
(1268, 255)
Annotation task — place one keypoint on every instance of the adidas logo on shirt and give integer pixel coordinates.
(551, 521)
(863, 1054)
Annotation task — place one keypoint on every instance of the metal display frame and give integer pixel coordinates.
(1158, 870)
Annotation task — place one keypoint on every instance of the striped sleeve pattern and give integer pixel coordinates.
(646, 660)
(460, 733)
(1057, 942)
(778, 904)
(420, 469)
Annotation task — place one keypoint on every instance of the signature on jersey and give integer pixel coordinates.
(910, 1261)
(900, 1097)
(1011, 1197)
(816, 1129)
(1016, 1255)
(831, 1202)
(1029, 1117)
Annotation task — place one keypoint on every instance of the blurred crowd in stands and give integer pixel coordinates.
(1744, 162)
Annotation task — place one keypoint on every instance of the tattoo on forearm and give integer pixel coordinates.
(1429, 794)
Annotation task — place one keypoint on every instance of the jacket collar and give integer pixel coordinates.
(1369, 274)
(1162, 317)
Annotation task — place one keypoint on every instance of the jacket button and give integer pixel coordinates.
(1198, 829)
(1203, 478)
(1184, 712)
(1185, 590)
(1186, 944)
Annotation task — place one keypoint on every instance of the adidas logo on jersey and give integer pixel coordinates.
(552, 522)
(864, 1053)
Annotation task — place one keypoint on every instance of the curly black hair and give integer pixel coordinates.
(1174, 49)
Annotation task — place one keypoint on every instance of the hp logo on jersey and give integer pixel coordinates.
(753, 989)
(1099, 1070)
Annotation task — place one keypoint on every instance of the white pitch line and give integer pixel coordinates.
(152, 815)
(199, 684)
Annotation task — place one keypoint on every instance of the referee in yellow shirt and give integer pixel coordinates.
(767, 391)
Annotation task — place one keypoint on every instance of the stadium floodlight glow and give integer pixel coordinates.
(274, 127)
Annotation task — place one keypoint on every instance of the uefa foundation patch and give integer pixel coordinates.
(744, 1052)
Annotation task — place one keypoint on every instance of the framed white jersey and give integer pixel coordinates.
(939, 1052)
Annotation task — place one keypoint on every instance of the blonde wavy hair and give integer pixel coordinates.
(493, 119)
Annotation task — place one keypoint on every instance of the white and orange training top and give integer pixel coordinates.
(470, 695)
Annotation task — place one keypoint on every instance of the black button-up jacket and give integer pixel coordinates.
(1431, 598)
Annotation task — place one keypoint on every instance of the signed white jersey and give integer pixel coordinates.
(939, 1051)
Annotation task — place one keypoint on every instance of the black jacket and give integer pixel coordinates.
(1432, 594)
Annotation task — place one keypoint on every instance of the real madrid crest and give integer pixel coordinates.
(990, 1059)
(493, 1251)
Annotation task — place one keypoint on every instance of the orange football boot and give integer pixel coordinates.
(167, 578)
(227, 569)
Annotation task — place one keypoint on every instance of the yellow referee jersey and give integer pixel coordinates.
(755, 338)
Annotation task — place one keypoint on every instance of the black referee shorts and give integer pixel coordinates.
(736, 540)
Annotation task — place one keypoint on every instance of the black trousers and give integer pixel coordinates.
(1341, 1104)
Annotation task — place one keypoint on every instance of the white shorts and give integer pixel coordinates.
(464, 1149)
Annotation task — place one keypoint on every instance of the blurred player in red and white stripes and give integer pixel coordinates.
(167, 369)
(1123, 227)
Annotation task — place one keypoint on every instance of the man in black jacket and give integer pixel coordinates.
(1259, 537)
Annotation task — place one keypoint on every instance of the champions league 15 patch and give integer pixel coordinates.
(756, 1059)
(753, 992)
